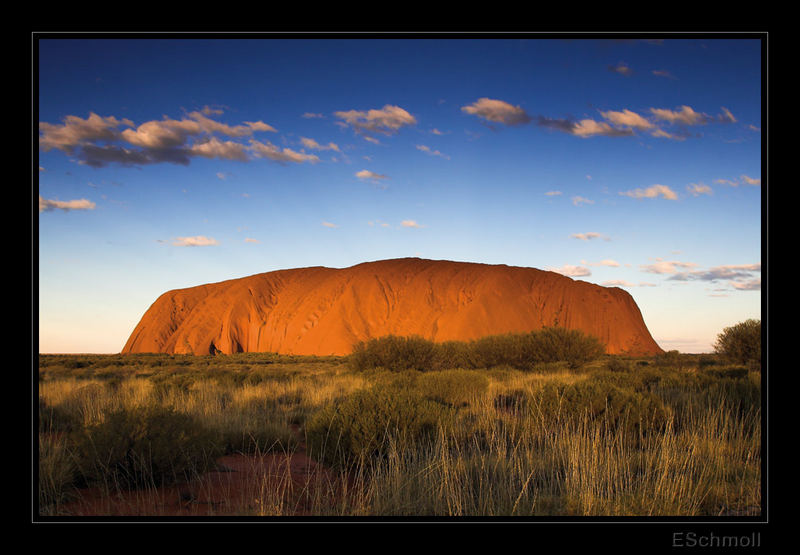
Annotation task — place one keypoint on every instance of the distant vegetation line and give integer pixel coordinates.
(522, 351)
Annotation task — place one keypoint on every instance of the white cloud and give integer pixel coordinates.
(752, 285)
(251, 240)
(617, 283)
(76, 131)
(697, 189)
(589, 128)
(588, 236)
(660, 133)
(497, 111)
(97, 141)
(366, 174)
(268, 150)
(663, 73)
(666, 267)
(607, 262)
(330, 225)
(751, 180)
(46, 205)
(622, 68)
(686, 115)
(581, 200)
(553, 193)
(196, 241)
(427, 150)
(726, 116)
(387, 120)
(652, 192)
(410, 223)
(311, 143)
(572, 271)
(627, 118)
(214, 148)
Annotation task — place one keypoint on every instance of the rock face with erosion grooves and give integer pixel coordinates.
(325, 311)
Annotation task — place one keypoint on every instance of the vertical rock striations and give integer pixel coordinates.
(324, 311)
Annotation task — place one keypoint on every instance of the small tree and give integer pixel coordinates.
(741, 343)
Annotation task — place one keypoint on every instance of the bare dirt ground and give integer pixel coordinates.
(269, 484)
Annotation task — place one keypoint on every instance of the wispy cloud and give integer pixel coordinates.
(497, 111)
(663, 73)
(666, 266)
(727, 272)
(386, 121)
(196, 241)
(627, 118)
(314, 145)
(429, 151)
(330, 225)
(697, 189)
(584, 128)
(607, 262)
(272, 152)
(571, 271)
(553, 193)
(745, 180)
(366, 174)
(589, 236)
(686, 115)
(653, 191)
(752, 285)
(98, 141)
(47, 205)
(411, 223)
(312, 115)
(739, 276)
(617, 283)
(622, 68)
(577, 200)
(251, 240)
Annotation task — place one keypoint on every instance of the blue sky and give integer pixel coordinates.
(168, 163)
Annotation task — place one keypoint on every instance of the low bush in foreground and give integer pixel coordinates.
(370, 423)
(143, 446)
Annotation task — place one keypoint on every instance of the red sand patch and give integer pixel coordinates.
(271, 484)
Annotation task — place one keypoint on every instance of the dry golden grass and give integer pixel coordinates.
(487, 461)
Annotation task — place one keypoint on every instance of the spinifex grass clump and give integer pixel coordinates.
(370, 422)
(523, 351)
(143, 446)
(617, 408)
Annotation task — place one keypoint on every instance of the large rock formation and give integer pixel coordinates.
(324, 311)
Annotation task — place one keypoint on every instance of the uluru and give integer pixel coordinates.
(325, 311)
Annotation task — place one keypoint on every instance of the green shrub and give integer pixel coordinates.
(144, 446)
(370, 422)
(727, 372)
(615, 407)
(455, 388)
(741, 343)
(393, 353)
(707, 360)
(56, 418)
(515, 401)
(615, 364)
(522, 351)
(572, 346)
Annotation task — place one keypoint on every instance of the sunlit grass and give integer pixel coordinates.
(494, 451)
